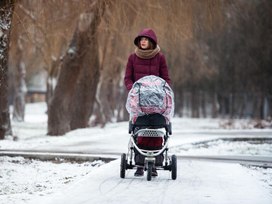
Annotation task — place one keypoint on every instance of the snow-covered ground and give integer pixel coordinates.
(22, 179)
(31, 181)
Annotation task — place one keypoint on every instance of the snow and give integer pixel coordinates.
(223, 147)
(24, 178)
(195, 185)
(71, 51)
(32, 181)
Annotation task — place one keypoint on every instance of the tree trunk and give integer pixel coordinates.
(214, 105)
(52, 78)
(74, 95)
(58, 111)
(121, 108)
(258, 106)
(20, 88)
(203, 103)
(195, 103)
(233, 104)
(84, 98)
(241, 111)
(6, 11)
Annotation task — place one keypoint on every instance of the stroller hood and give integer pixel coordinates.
(149, 95)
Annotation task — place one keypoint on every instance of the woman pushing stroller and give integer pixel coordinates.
(146, 60)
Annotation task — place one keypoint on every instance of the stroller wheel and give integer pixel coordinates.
(123, 166)
(149, 170)
(174, 167)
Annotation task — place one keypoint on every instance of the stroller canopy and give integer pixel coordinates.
(149, 95)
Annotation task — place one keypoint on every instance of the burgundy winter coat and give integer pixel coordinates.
(137, 67)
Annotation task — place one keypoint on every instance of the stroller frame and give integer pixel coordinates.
(149, 129)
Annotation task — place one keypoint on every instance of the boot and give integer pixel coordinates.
(139, 171)
(154, 172)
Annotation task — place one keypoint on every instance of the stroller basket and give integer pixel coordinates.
(149, 141)
(149, 133)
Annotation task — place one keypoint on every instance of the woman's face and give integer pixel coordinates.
(144, 43)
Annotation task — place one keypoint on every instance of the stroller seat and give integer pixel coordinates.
(152, 121)
(155, 121)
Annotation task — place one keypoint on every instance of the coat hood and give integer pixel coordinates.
(147, 32)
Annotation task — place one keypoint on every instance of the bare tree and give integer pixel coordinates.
(72, 102)
(6, 11)
(84, 97)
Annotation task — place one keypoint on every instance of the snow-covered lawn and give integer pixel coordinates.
(32, 181)
(22, 179)
(226, 147)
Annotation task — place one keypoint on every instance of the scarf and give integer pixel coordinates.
(147, 54)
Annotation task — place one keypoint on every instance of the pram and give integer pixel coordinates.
(151, 105)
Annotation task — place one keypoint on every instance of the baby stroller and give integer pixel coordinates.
(151, 105)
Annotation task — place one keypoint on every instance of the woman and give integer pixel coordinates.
(146, 60)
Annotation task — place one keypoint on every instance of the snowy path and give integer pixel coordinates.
(197, 182)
